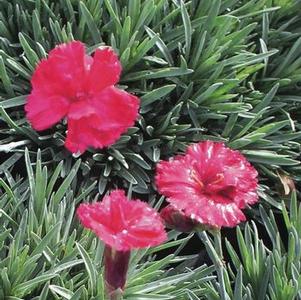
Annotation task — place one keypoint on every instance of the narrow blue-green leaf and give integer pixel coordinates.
(13, 102)
(161, 45)
(93, 29)
(89, 267)
(5, 79)
(156, 94)
(159, 73)
(187, 29)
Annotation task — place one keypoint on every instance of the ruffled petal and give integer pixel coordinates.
(208, 158)
(173, 178)
(208, 212)
(114, 222)
(117, 109)
(114, 112)
(43, 110)
(80, 135)
(63, 72)
(104, 71)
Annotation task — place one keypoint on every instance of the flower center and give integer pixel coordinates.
(81, 96)
(219, 178)
(213, 187)
(196, 178)
(207, 184)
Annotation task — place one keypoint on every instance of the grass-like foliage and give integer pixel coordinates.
(224, 70)
(45, 253)
(203, 69)
(262, 269)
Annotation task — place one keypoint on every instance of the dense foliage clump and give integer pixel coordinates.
(223, 70)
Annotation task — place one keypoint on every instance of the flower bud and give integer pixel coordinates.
(116, 267)
(175, 219)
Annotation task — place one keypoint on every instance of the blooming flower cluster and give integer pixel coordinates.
(208, 186)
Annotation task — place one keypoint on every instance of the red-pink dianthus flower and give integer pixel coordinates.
(123, 224)
(80, 87)
(211, 183)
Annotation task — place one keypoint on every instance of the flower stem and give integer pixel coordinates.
(216, 254)
(218, 243)
(116, 295)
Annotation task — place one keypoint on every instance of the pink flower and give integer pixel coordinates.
(123, 224)
(72, 84)
(211, 183)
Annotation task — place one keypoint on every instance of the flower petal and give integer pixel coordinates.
(173, 178)
(123, 224)
(80, 135)
(105, 70)
(115, 112)
(63, 71)
(117, 109)
(214, 214)
(208, 158)
(44, 110)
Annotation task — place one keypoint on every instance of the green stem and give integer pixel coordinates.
(216, 254)
(116, 295)
(218, 243)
